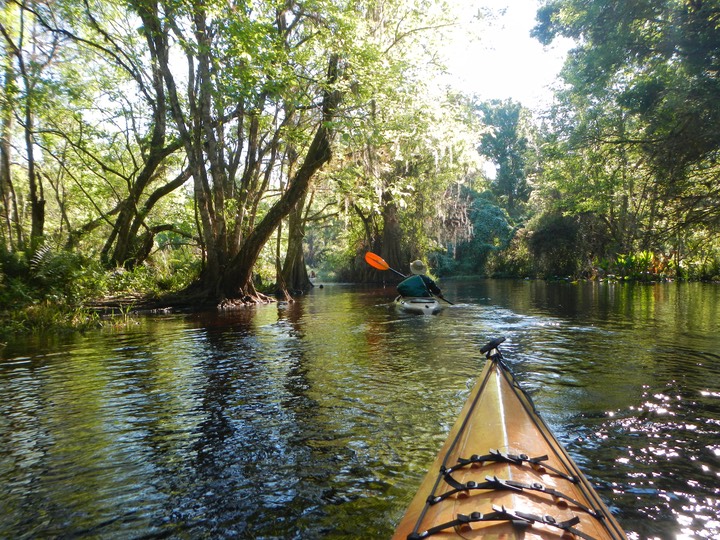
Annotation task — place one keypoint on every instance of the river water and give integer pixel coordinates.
(318, 419)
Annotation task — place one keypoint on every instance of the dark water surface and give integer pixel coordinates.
(318, 419)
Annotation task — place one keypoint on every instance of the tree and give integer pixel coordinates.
(32, 52)
(81, 142)
(415, 143)
(492, 232)
(238, 279)
(644, 75)
(505, 145)
(12, 229)
(251, 76)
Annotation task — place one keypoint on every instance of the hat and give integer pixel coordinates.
(417, 267)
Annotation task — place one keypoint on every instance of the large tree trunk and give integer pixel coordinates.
(194, 126)
(391, 237)
(8, 200)
(236, 282)
(294, 272)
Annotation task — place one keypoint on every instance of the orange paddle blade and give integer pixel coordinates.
(376, 261)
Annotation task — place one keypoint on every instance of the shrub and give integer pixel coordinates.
(553, 245)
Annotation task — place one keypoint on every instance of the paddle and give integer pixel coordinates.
(376, 261)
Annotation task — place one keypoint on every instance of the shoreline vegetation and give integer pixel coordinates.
(116, 302)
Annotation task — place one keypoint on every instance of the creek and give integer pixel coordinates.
(319, 418)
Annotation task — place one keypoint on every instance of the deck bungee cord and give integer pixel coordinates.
(518, 519)
(497, 483)
(502, 457)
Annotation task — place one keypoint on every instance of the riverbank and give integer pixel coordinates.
(26, 315)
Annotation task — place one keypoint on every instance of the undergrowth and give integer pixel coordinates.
(60, 291)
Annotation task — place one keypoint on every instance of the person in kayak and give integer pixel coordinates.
(418, 284)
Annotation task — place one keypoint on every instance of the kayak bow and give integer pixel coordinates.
(502, 474)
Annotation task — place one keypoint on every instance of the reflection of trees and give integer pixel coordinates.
(90, 428)
(253, 458)
(25, 442)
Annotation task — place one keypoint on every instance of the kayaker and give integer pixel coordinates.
(418, 284)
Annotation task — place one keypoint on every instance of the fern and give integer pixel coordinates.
(40, 261)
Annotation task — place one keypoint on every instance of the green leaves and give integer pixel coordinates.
(634, 141)
(506, 146)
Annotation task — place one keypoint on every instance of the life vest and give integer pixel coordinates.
(413, 286)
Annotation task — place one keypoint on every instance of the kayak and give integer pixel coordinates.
(426, 305)
(503, 474)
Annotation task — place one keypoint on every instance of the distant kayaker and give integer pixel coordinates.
(418, 284)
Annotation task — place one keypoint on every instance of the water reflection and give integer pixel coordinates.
(317, 419)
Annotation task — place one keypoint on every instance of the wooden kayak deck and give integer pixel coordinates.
(502, 474)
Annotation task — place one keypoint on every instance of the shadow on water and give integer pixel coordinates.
(318, 419)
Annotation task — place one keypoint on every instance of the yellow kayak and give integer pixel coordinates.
(502, 474)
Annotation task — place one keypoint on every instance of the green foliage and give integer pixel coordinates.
(492, 233)
(703, 261)
(636, 266)
(331, 249)
(48, 316)
(44, 292)
(338, 266)
(52, 289)
(633, 138)
(169, 270)
(515, 261)
(553, 244)
(62, 278)
(708, 269)
(506, 145)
